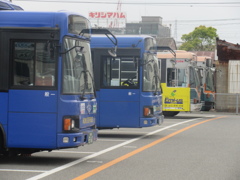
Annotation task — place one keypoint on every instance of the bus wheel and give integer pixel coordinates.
(170, 113)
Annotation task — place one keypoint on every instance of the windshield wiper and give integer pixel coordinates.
(82, 97)
(86, 83)
(156, 77)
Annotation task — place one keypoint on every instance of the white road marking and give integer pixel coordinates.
(52, 171)
(21, 170)
(76, 152)
(110, 140)
(130, 146)
(100, 162)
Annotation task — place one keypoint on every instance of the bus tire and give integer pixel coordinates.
(1, 142)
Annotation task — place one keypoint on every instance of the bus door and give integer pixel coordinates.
(117, 88)
(32, 99)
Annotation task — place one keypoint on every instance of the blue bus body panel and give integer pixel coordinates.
(32, 118)
(4, 108)
(32, 101)
(32, 130)
(123, 42)
(118, 108)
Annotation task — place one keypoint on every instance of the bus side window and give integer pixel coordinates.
(45, 64)
(34, 64)
(23, 61)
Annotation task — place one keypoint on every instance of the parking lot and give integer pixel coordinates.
(188, 146)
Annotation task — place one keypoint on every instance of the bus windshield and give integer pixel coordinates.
(120, 72)
(77, 67)
(209, 81)
(176, 77)
(151, 79)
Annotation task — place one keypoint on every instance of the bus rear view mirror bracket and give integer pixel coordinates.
(74, 47)
(106, 32)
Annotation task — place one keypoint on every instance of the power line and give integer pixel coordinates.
(206, 20)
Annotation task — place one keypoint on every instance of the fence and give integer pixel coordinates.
(227, 102)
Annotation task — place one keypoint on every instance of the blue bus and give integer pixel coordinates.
(7, 5)
(127, 85)
(47, 94)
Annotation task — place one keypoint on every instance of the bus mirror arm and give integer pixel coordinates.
(112, 52)
(65, 52)
(106, 32)
(164, 48)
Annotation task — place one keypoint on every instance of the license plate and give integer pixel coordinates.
(90, 138)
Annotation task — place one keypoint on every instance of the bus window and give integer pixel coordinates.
(6, 5)
(34, 63)
(209, 81)
(77, 71)
(192, 78)
(150, 44)
(151, 79)
(119, 72)
(76, 24)
(176, 77)
(182, 78)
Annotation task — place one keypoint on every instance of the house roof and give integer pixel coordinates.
(227, 51)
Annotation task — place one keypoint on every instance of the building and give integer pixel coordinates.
(227, 76)
(152, 25)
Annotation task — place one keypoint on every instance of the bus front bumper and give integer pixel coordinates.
(147, 122)
(77, 139)
(196, 107)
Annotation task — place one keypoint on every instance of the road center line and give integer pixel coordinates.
(45, 174)
(117, 160)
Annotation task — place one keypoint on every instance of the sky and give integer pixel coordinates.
(183, 16)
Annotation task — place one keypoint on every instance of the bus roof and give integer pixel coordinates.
(123, 40)
(180, 54)
(33, 18)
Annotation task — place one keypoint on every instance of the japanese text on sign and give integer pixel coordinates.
(107, 15)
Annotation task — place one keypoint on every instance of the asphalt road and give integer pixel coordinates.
(190, 146)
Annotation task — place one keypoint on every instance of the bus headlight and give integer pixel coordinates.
(70, 124)
(67, 124)
(148, 111)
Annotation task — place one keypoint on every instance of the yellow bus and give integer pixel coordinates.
(179, 81)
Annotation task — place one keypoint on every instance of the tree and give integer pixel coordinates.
(202, 38)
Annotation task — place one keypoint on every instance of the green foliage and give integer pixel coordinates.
(201, 39)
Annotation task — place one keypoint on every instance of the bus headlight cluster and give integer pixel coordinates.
(70, 124)
(148, 111)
